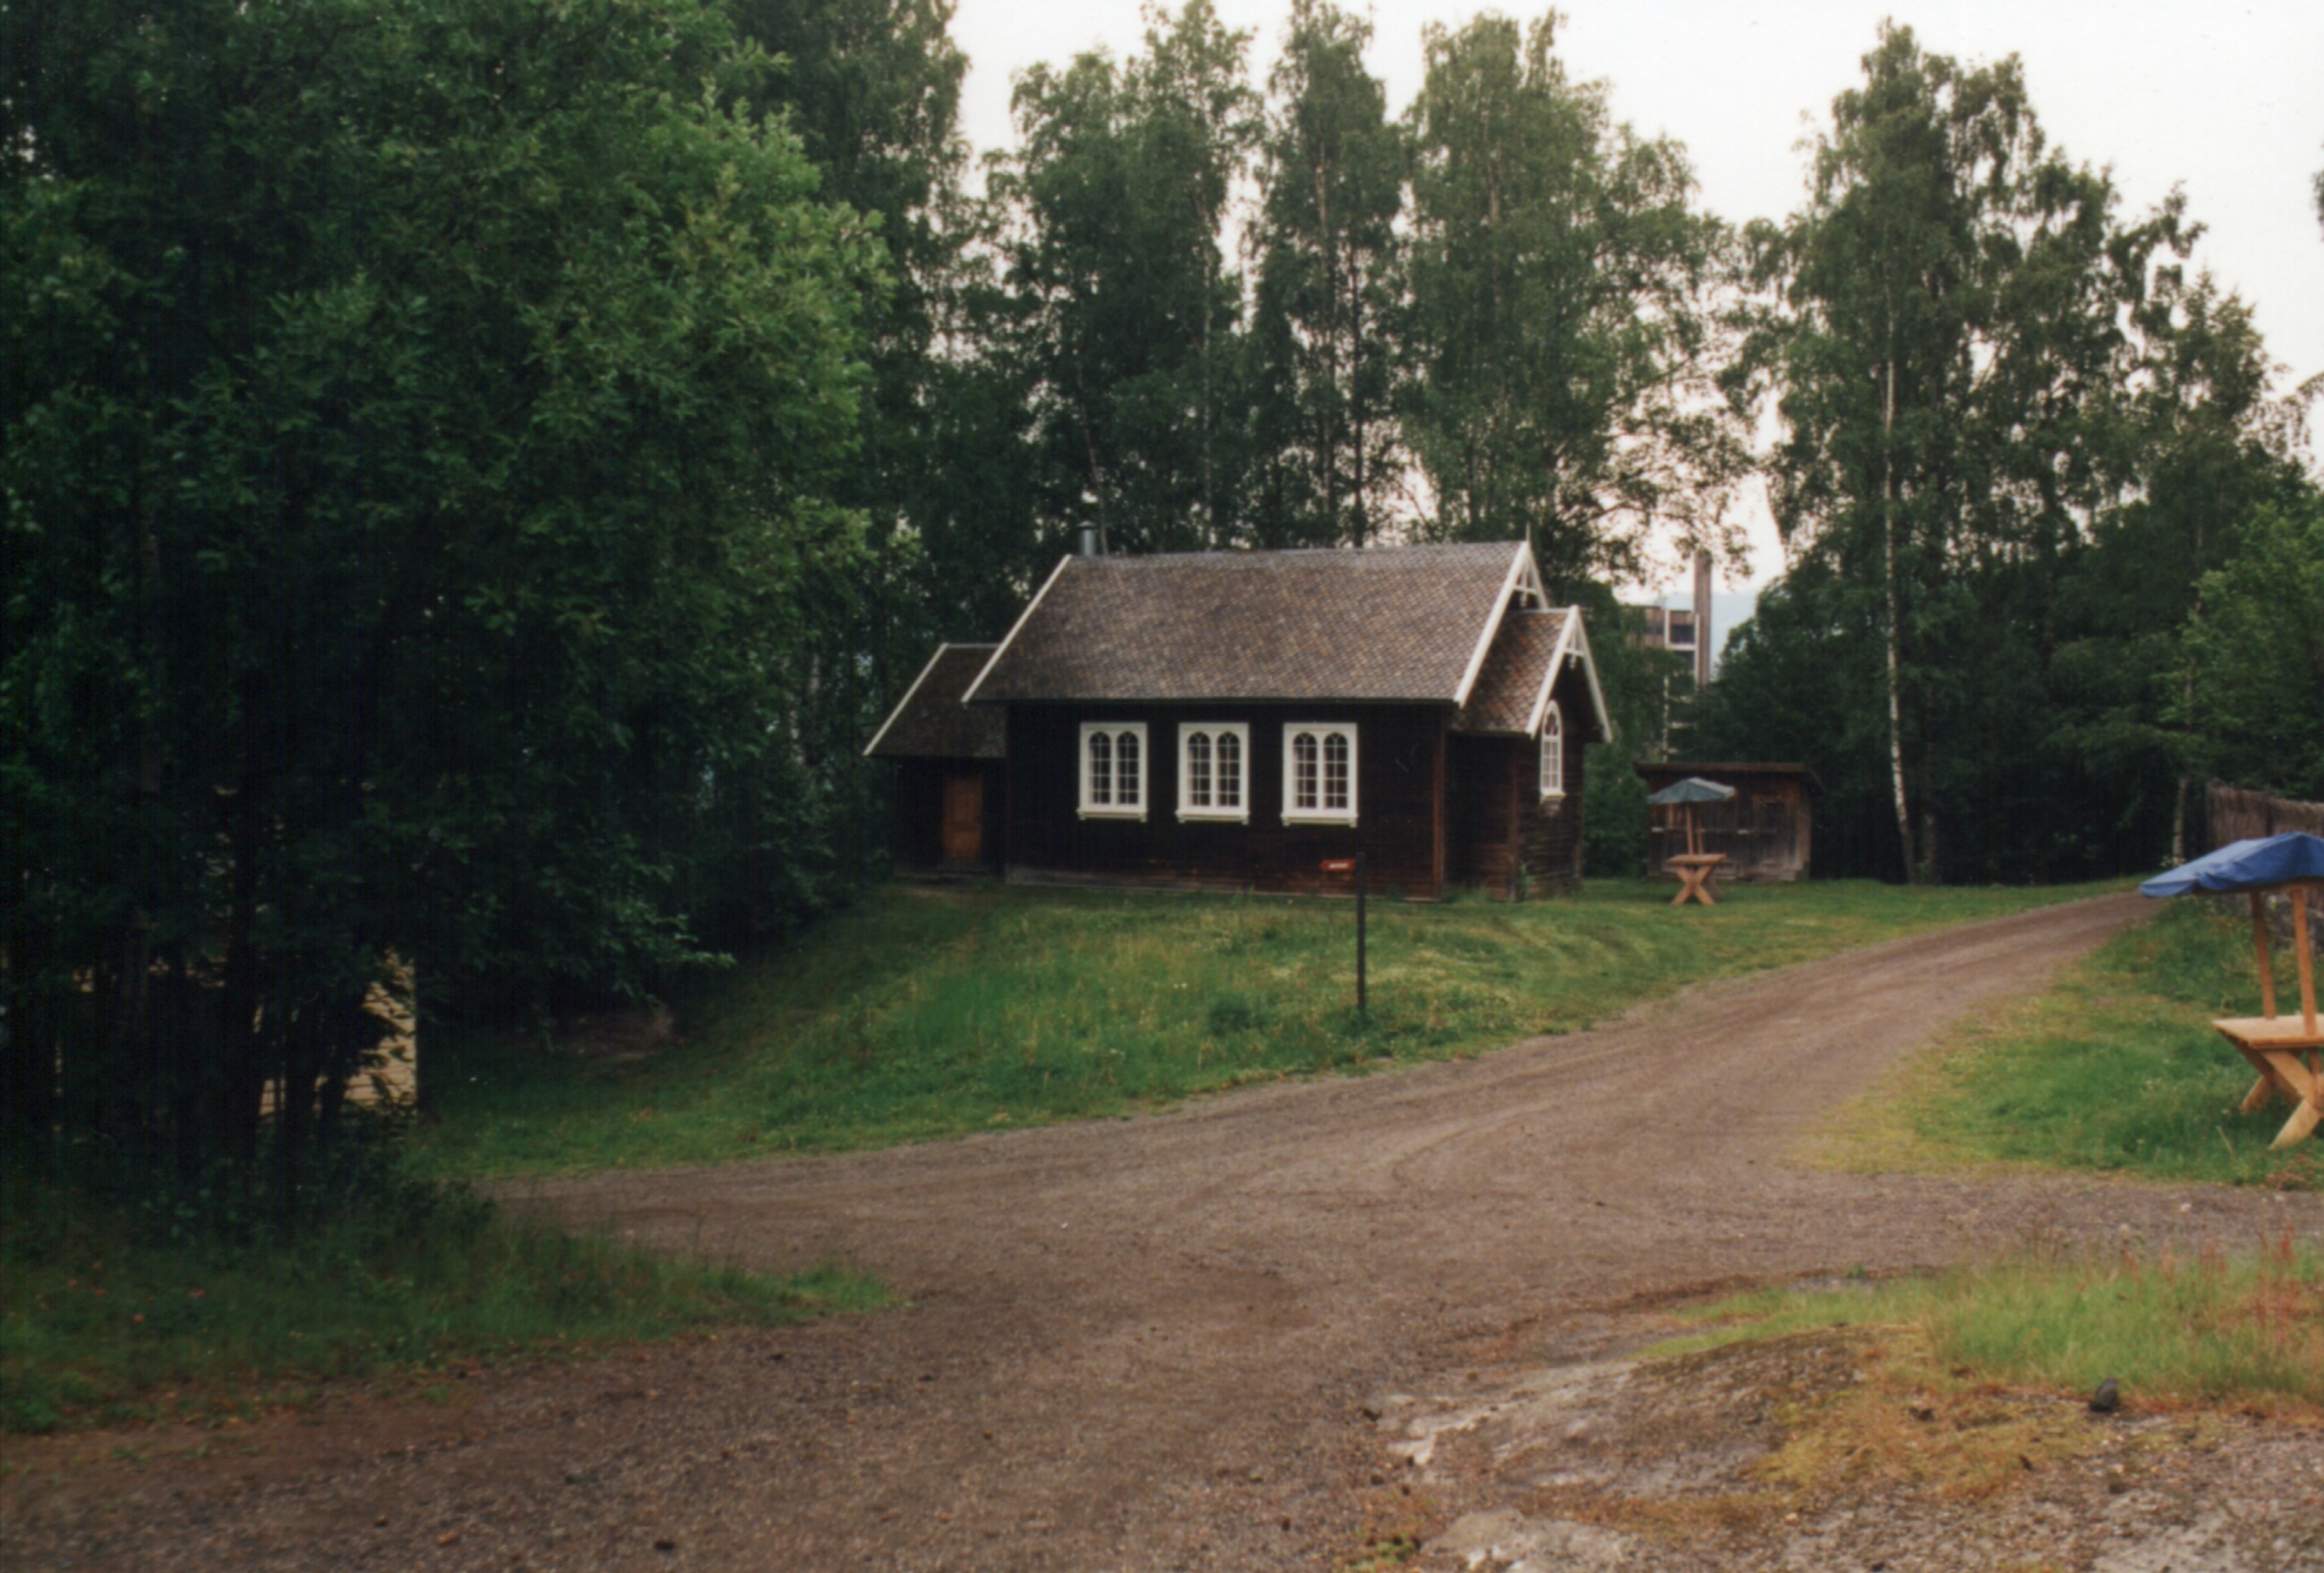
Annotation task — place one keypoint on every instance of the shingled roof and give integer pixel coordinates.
(1402, 623)
(932, 723)
(1513, 685)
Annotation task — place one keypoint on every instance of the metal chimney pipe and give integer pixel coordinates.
(1089, 540)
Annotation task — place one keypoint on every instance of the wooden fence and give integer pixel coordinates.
(2238, 814)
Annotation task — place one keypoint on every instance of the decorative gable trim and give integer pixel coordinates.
(1524, 577)
(1573, 644)
(1015, 629)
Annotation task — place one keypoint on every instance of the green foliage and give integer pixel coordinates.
(1329, 291)
(1638, 681)
(921, 1013)
(2255, 657)
(2016, 436)
(1562, 329)
(1127, 319)
(418, 479)
(108, 1316)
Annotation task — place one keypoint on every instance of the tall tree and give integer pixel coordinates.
(2256, 652)
(418, 461)
(1128, 315)
(1947, 340)
(872, 89)
(1325, 314)
(1563, 321)
(2208, 446)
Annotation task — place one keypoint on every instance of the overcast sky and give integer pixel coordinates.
(2225, 99)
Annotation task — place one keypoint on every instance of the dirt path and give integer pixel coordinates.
(1142, 1344)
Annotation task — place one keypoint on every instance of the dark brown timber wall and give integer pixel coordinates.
(916, 812)
(1400, 791)
(1550, 829)
(1486, 823)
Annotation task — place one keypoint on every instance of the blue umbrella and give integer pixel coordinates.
(1686, 794)
(1693, 790)
(2293, 860)
(2265, 864)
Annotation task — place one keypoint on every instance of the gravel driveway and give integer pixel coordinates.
(1137, 1344)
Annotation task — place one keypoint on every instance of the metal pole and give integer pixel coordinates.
(1359, 934)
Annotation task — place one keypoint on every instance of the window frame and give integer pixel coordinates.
(1552, 752)
(1292, 812)
(1213, 730)
(1114, 731)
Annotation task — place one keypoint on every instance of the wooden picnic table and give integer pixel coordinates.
(2283, 1049)
(1696, 872)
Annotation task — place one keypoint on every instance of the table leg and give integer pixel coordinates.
(2290, 1074)
(2300, 1125)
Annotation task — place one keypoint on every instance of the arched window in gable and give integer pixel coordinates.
(1552, 752)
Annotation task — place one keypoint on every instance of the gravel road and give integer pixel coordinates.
(1137, 1344)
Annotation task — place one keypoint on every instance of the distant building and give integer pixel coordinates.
(1766, 830)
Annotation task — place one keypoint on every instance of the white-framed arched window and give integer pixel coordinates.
(1114, 769)
(1213, 779)
(1552, 752)
(1319, 773)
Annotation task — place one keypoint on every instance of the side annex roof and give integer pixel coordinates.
(930, 722)
(1520, 671)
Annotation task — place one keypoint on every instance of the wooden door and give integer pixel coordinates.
(963, 817)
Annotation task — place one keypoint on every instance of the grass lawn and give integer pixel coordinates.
(2115, 1069)
(103, 1323)
(928, 1012)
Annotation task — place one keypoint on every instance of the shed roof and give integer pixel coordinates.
(930, 722)
(1668, 770)
(1400, 623)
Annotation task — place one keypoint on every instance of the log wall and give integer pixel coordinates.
(1401, 789)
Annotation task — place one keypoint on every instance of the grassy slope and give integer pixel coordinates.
(931, 1012)
(2115, 1069)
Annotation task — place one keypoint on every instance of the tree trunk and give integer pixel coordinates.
(1894, 633)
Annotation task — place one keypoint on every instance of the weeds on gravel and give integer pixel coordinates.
(2115, 1069)
(2172, 1328)
(106, 1318)
(925, 1013)
(1966, 1385)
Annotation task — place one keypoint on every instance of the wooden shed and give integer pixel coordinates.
(1767, 831)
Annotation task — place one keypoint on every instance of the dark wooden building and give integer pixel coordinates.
(1235, 719)
(952, 786)
(1766, 831)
